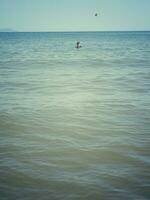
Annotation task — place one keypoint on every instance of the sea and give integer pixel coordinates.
(75, 123)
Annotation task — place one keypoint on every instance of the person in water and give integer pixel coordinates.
(78, 45)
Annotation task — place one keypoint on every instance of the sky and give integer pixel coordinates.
(75, 15)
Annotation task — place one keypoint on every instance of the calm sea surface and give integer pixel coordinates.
(75, 123)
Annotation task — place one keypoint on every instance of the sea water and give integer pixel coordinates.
(75, 123)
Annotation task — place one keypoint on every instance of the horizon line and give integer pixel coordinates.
(16, 31)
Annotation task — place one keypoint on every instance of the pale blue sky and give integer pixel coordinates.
(75, 15)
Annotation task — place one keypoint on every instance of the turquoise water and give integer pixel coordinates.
(74, 123)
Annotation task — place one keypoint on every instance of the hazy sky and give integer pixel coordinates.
(75, 15)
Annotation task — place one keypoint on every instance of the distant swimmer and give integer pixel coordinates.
(78, 45)
(96, 14)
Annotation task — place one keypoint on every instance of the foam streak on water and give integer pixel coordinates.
(74, 123)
